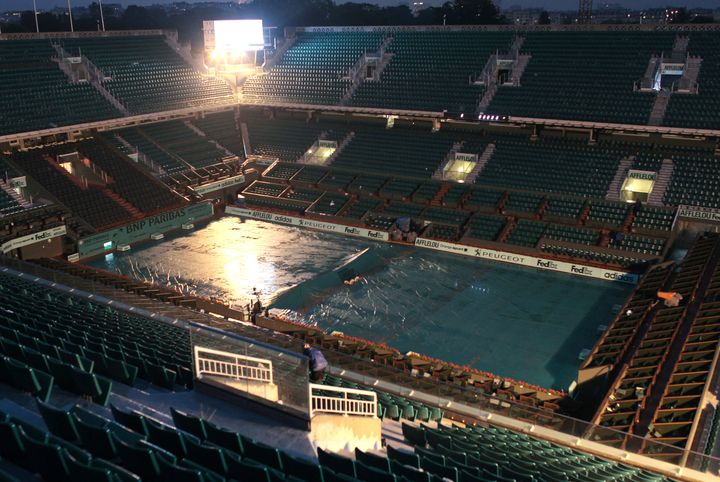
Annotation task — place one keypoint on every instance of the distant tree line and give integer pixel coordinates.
(278, 13)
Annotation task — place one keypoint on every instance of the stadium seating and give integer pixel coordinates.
(221, 127)
(583, 76)
(314, 69)
(166, 162)
(128, 180)
(423, 61)
(285, 139)
(695, 180)
(146, 75)
(493, 453)
(527, 233)
(357, 209)
(653, 218)
(93, 204)
(551, 166)
(399, 151)
(617, 337)
(31, 82)
(699, 110)
(184, 142)
(623, 410)
(72, 341)
(9, 204)
(486, 227)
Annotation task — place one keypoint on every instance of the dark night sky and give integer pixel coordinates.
(548, 4)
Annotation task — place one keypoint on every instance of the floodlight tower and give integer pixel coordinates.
(585, 12)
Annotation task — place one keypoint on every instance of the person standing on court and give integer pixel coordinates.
(318, 363)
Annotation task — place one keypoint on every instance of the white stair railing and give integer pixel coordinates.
(363, 403)
(231, 365)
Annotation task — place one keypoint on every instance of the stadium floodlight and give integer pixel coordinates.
(235, 37)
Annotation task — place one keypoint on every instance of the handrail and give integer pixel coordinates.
(342, 404)
(239, 367)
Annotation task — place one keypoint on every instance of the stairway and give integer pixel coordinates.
(135, 212)
(487, 97)
(482, 162)
(613, 192)
(648, 80)
(279, 52)
(14, 194)
(680, 46)
(437, 198)
(661, 183)
(518, 69)
(245, 139)
(142, 157)
(342, 145)
(505, 233)
(96, 78)
(212, 141)
(657, 114)
(688, 82)
(517, 44)
(184, 51)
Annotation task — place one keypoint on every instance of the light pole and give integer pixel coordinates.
(102, 18)
(37, 27)
(72, 29)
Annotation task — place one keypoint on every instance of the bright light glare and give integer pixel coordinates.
(236, 36)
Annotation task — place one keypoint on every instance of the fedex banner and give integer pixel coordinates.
(529, 261)
(33, 238)
(308, 223)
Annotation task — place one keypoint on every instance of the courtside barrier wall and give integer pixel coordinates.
(454, 248)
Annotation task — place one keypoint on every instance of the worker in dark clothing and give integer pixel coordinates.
(318, 363)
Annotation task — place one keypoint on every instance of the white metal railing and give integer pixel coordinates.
(363, 402)
(232, 365)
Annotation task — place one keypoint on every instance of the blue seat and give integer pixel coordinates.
(48, 459)
(58, 421)
(189, 424)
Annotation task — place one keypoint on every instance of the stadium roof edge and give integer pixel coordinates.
(517, 28)
(91, 33)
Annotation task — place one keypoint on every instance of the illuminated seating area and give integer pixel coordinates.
(314, 70)
(424, 60)
(146, 75)
(31, 82)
